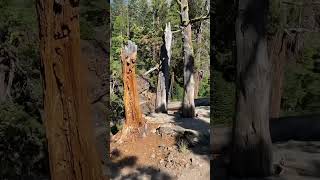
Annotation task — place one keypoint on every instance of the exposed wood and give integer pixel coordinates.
(131, 97)
(68, 120)
(251, 153)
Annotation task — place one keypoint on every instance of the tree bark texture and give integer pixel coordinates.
(163, 76)
(251, 149)
(197, 75)
(188, 109)
(7, 71)
(68, 120)
(277, 54)
(131, 96)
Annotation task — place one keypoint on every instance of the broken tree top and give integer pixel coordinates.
(130, 48)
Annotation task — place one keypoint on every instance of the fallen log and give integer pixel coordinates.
(298, 128)
(198, 102)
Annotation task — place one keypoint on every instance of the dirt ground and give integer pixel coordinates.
(173, 148)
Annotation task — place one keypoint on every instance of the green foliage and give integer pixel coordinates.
(204, 90)
(223, 100)
(23, 150)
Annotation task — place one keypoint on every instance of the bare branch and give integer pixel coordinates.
(301, 30)
(200, 18)
(179, 2)
(151, 70)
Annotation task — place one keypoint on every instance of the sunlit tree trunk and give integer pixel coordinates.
(251, 153)
(130, 89)
(188, 107)
(68, 121)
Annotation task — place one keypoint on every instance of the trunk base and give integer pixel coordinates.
(130, 133)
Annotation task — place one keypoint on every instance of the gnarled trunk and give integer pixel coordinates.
(68, 120)
(188, 108)
(163, 76)
(252, 148)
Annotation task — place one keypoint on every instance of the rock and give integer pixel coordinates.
(153, 131)
(153, 156)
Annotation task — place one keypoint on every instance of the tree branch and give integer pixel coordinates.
(301, 30)
(151, 70)
(202, 18)
(179, 2)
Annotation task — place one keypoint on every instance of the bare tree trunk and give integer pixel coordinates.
(163, 76)
(6, 77)
(197, 76)
(251, 153)
(3, 84)
(277, 52)
(68, 120)
(171, 87)
(131, 96)
(188, 109)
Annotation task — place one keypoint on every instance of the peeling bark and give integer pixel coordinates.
(131, 97)
(68, 120)
(277, 53)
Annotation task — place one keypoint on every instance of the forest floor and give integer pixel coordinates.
(296, 160)
(173, 148)
(296, 150)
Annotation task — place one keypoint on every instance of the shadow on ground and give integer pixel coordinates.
(118, 165)
(201, 142)
(296, 143)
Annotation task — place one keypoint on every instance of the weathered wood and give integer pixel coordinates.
(251, 154)
(188, 108)
(68, 120)
(131, 97)
(277, 54)
(163, 76)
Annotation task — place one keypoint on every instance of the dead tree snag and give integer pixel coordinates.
(163, 76)
(131, 99)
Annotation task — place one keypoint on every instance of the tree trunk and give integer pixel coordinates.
(163, 76)
(197, 76)
(171, 87)
(277, 53)
(71, 143)
(251, 153)
(131, 96)
(3, 83)
(188, 109)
